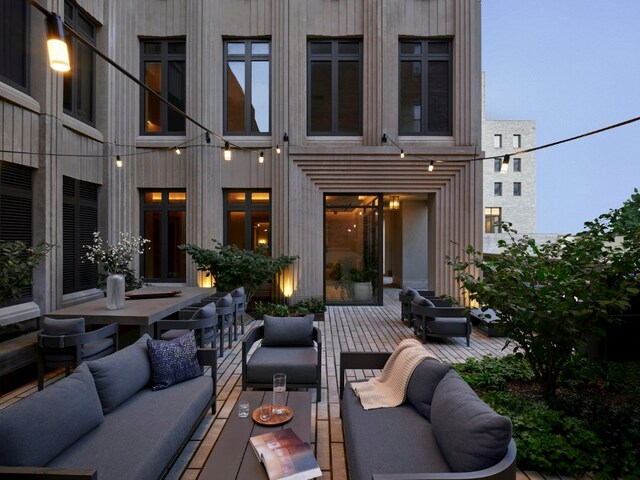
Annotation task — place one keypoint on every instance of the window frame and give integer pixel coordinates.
(248, 209)
(247, 58)
(496, 225)
(517, 189)
(424, 57)
(334, 58)
(497, 140)
(78, 268)
(517, 140)
(497, 164)
(497, 189)
(25, 29)
(164, 208)
(72, 75)
(517, 164)
(163, 58)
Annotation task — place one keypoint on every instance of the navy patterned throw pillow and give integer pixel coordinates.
(173, 361)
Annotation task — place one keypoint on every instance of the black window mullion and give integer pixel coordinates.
(334, 87)
(247, 88)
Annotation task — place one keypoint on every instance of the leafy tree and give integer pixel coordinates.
(232, 267)
(629, 220)
(552, 296)
(17, 262)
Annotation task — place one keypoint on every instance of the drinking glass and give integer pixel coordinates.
(279, 392)
(243, 409)
(265, 412)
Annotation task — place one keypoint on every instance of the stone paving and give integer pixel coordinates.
(362, 328)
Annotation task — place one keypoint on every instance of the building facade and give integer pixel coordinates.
(303, 91)
(508, 196)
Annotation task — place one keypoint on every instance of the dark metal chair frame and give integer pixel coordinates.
(424, 320)
(50, 346)
(257, 334)
(198, 325)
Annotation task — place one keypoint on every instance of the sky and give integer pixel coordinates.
(573, 66)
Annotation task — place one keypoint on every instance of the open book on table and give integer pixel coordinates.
(285, 456)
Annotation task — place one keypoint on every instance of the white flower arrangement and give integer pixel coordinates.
(114, 258)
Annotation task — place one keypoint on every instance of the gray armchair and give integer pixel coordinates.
(240, 301)
(439, 321)
(64, 343)
(225, 309)
(290, 345)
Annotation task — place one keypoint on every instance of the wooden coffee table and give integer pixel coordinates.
(232, 456)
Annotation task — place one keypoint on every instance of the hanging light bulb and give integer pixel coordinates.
(58, 51)
(384, 139)
(261, 157)
(118, 162)
(278, 149)
(431, 166)
(177, 150)
(504, 168)
(227, 151)
(207, 137)
(401, 153)
(394, 202)
(285, 137)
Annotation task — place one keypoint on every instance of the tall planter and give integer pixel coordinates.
(115, 291)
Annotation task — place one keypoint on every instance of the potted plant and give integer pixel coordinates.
(17, 262)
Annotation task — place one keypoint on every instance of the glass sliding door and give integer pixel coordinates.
(352, 245)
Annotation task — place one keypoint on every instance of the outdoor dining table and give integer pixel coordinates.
(143, 311)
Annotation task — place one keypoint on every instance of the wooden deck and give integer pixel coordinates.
(344, 329)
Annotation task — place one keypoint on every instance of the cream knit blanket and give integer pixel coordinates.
(390, 388)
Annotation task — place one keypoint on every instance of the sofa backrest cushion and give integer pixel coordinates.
(288, 331)
(225, 301)
(469, 433)
(62, 326)
(173, 361)
(425, 302)
(120, 375)
(238, 292)
(423, 382)
(39, 427)
(410, 291)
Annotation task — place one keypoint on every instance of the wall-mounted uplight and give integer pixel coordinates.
(227, 151)
(394, 202)
(58, 51)
(118, 162)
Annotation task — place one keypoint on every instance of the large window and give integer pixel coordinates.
(492, 220)
(79, 221)
(163, 67)
(164, 223)
(247, 223)
(334, 105)
(15, 209)
(247, 85)
(14, 46)
(425, 87)
(79, 82)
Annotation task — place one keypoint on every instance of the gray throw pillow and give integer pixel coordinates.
(423, 382)
(425, 302)
(288, 331)
(120, 375)
(62, 326)
(173, 361)
(469, 433)
(36, 429)
(208, 311)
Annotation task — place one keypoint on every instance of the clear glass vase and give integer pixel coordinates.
(115, 291)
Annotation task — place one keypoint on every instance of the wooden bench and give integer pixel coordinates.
(18, 352)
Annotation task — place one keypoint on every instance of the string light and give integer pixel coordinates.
(58, 51)
(118, 162)
(177, 150)
(504, 168)
(401, 153)
(431, 166)
(278, 149)
(261, 158)
(207, 137)
(227, 151)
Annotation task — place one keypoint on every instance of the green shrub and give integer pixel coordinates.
(17, 262)
(494, 373)
(310, 305)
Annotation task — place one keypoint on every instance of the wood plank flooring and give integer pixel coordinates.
(365, 328)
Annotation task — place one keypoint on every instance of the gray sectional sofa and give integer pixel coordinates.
(442, 431)
(104, 421)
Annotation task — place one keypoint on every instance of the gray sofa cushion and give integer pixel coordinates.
(425, 302)
(62, 326)
(422, 384)
(388, 440)
(470, 434)
(299, 363)
(447, 326)
(139, 438)
(119, 375)
(173, 361)
(38, 428)
(288, 331)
